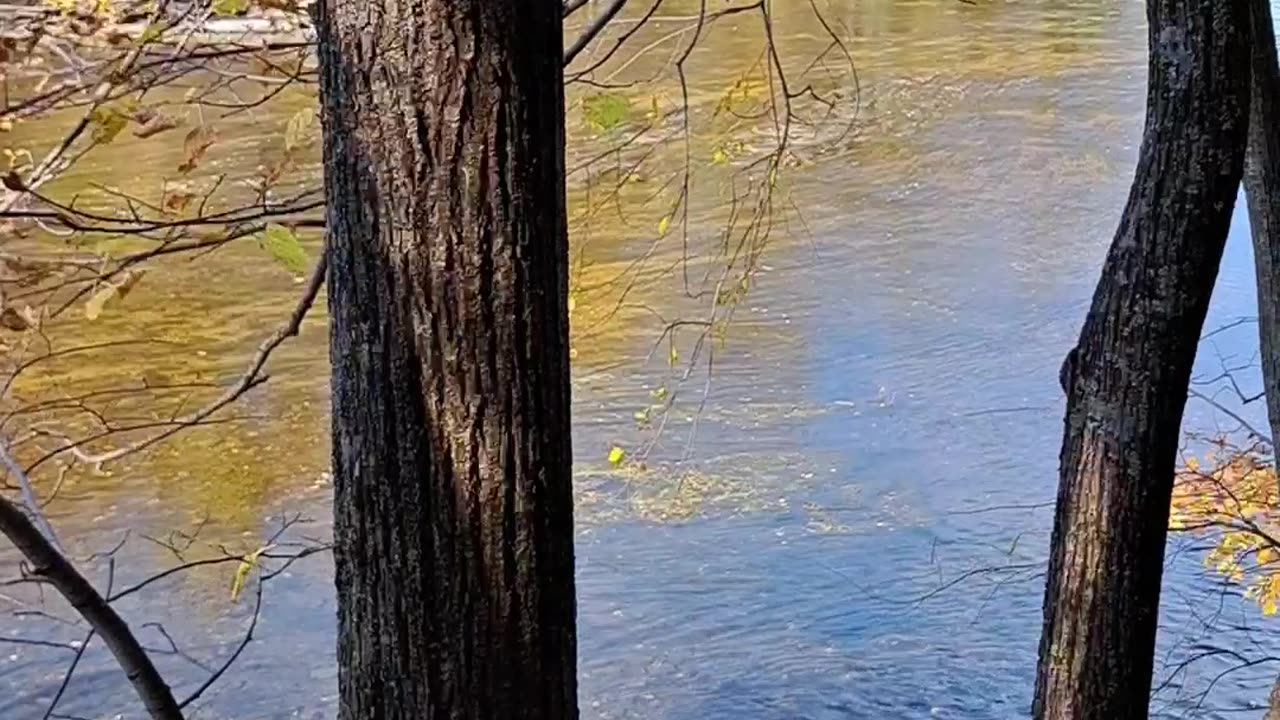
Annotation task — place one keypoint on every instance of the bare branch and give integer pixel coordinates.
(251, 378)
(29, 498)
(589, 33)
(54, 567)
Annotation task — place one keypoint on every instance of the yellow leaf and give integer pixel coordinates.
(719, 157)
(617, 455)
(111, 291)
(298, 128)
(1269, 607)
(673, 356)
(1266, 555)
(93, 308)
(247, 564)
(664, 225)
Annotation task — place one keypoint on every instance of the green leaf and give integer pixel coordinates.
(282, 244)
(606, 111)
(153, 32)
(298, 128)
(107, 124)
(230, 7)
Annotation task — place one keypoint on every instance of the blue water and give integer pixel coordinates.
(889, 561)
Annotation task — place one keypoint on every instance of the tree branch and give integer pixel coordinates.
(252, 376)
(593, 29)
(53, 567)
(29, 496)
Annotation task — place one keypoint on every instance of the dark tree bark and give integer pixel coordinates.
(444, 176)
(1126, 380)
(1262, 188)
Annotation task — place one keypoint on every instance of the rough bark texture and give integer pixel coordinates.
(1262, 188)
(1127, 378)
(444, 171)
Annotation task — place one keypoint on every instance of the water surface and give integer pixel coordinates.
(859, 528)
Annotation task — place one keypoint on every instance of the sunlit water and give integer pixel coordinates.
(877, 448)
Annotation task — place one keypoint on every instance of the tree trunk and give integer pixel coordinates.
(444, 179)
(1273, 704)
(1262, 188)
(1126, 380)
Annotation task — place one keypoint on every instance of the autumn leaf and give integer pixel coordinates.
(246, 566)
(110, 292)
(98, 301)
(11, 319)
(298, 128)
(194, 147)
(151, 123)
(175, 201)
(617, 455)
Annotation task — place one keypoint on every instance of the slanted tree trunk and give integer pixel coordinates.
(1262, 188)
(1273, 703)
(444, 180)
(1126, 380)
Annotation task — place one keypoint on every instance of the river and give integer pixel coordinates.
(860, 524)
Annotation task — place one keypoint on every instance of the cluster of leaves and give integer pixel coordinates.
(1231, 497)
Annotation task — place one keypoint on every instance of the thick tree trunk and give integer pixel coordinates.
(444, 175)
(1126, 380)
(1262, 188)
